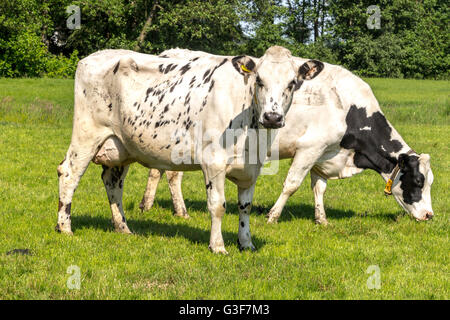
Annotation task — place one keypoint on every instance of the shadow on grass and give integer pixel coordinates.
(145, 227)
(290, 211)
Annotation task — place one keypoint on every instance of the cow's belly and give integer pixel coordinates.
(336, 163)
(114, 152)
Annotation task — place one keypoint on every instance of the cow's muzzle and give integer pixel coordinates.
(272, 120)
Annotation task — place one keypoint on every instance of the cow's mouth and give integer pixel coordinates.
(272, 125)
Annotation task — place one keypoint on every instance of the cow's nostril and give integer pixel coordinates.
(429, 215)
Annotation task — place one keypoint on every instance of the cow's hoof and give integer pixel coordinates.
(249, 247)
(322, 221)
(144, 206)
(272, 219)
(218, 249)
(181, 214)
(123, 229)
(63, 230)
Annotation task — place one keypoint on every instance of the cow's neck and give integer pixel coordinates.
(376, 143)
(405, 148)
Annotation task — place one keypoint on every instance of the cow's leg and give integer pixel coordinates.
(174, 179)
(71, 169)
(113, 179)
(215, 184)
(154, 175)
(319, 185)
(245, 204)
(302, 163)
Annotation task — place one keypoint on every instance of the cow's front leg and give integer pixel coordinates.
(245, 204)
(154, 175)
(319, 186)
(174, 179)
(297, 172)
(113, 179)
(215, 184)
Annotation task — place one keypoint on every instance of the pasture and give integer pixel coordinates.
(168, 257)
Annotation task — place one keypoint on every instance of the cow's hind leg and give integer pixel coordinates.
(70, 171)
(245, 204)
(113, 179)
(154, 175)
(174, 179)
(319, 186)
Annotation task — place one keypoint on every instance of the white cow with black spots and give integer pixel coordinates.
(171, 114)
(334, 129)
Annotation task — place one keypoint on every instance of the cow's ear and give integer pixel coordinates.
(243, 64)
(310, 69)
(403, 161)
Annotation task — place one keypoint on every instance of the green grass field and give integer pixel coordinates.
(168, 257)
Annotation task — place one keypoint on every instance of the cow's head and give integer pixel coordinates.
(275, 80)
(412, 186)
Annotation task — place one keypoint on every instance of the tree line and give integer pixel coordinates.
(386, 38)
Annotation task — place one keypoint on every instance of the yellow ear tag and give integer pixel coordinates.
(244, 68)
(387, 188)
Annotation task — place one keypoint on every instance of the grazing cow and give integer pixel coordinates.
(335, 129)
(172, 114)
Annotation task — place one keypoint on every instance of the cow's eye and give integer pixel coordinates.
(259, 82)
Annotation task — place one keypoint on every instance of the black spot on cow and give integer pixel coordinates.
(372, 146)
(195, 59)
(116, 67)
(192, 82)
(214, 70)
(185, 68)
(206, 73)
(209, 186)
(243, 206)
(211, 86)
(187, 99)
(161, 97)
(412, 180)
(67, 210)
(110, 107)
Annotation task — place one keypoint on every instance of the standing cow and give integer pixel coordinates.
(335, 129)
(132, 107)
